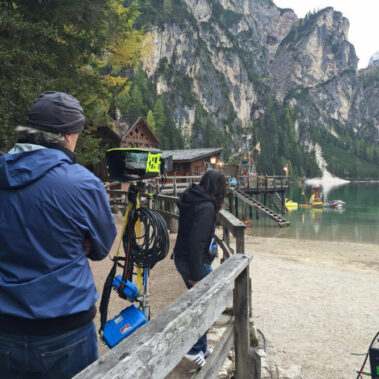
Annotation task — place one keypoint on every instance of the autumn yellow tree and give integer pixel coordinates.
(80, 47)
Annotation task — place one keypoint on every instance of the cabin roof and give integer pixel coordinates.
(189, 155)
(127, 124)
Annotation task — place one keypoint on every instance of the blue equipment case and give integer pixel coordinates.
(123, 325)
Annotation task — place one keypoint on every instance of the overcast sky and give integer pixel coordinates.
(362, 14)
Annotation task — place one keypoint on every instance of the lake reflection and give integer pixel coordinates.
(358, 221)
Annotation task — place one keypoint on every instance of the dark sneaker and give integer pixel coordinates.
(197, 359)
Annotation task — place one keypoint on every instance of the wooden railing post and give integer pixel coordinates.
(241, 324)
(226, 238)
(174, 184)
(232, 204)
(240, 241)
(236, 206)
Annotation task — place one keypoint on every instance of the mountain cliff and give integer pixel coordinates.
(238, 72)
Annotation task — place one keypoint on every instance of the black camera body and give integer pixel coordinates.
(128, 164)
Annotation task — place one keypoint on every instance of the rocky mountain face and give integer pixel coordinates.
(315, 68)
(218, 62)
(369, 78)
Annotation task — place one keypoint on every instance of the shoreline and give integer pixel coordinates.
(356, 256)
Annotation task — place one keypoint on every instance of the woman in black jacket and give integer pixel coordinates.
(198, 207)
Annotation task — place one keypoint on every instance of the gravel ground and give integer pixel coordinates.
(316, 303)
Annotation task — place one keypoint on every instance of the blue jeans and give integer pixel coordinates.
(58, 356)
(184, 270)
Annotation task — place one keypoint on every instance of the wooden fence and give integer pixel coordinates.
(259, 184)
(154, 350)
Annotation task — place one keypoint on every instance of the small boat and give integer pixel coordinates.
(304, 205)
(291, 204)
(317, 204)
(335, 204)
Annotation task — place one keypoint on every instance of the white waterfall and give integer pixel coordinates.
(327, 181)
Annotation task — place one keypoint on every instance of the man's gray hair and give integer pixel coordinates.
(39, 137)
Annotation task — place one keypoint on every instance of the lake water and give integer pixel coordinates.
(358, 221)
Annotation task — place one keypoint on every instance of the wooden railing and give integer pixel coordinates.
(154, 350)
(263, 183)
(177, 184)
(166, 205)
(230, 224)
(174, 185)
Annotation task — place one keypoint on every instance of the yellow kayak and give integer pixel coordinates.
(317, 204)
(291, 205)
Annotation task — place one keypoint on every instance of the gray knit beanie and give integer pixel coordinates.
(56, 112)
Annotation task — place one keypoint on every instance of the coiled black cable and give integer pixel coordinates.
(153, 243)
(364, 362)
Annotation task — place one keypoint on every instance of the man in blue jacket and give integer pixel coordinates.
(54, 214)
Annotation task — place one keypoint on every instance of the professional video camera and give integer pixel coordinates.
(128, 164)
(145, 239)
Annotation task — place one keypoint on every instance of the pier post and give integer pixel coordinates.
(174, 185)
(256, 209)
(243, 211)
(232, 204)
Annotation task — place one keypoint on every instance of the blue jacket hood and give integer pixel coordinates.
(21, 169)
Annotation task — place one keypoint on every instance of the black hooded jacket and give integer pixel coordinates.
(197, 221)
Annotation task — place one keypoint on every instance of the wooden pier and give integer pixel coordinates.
(265, 194)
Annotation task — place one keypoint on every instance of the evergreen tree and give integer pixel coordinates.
(160, 121)
(79, 47)
(151, 121)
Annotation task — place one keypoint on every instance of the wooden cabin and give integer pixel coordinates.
(127, 132)
(109, 139)
(134, 131)
(194, 162)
